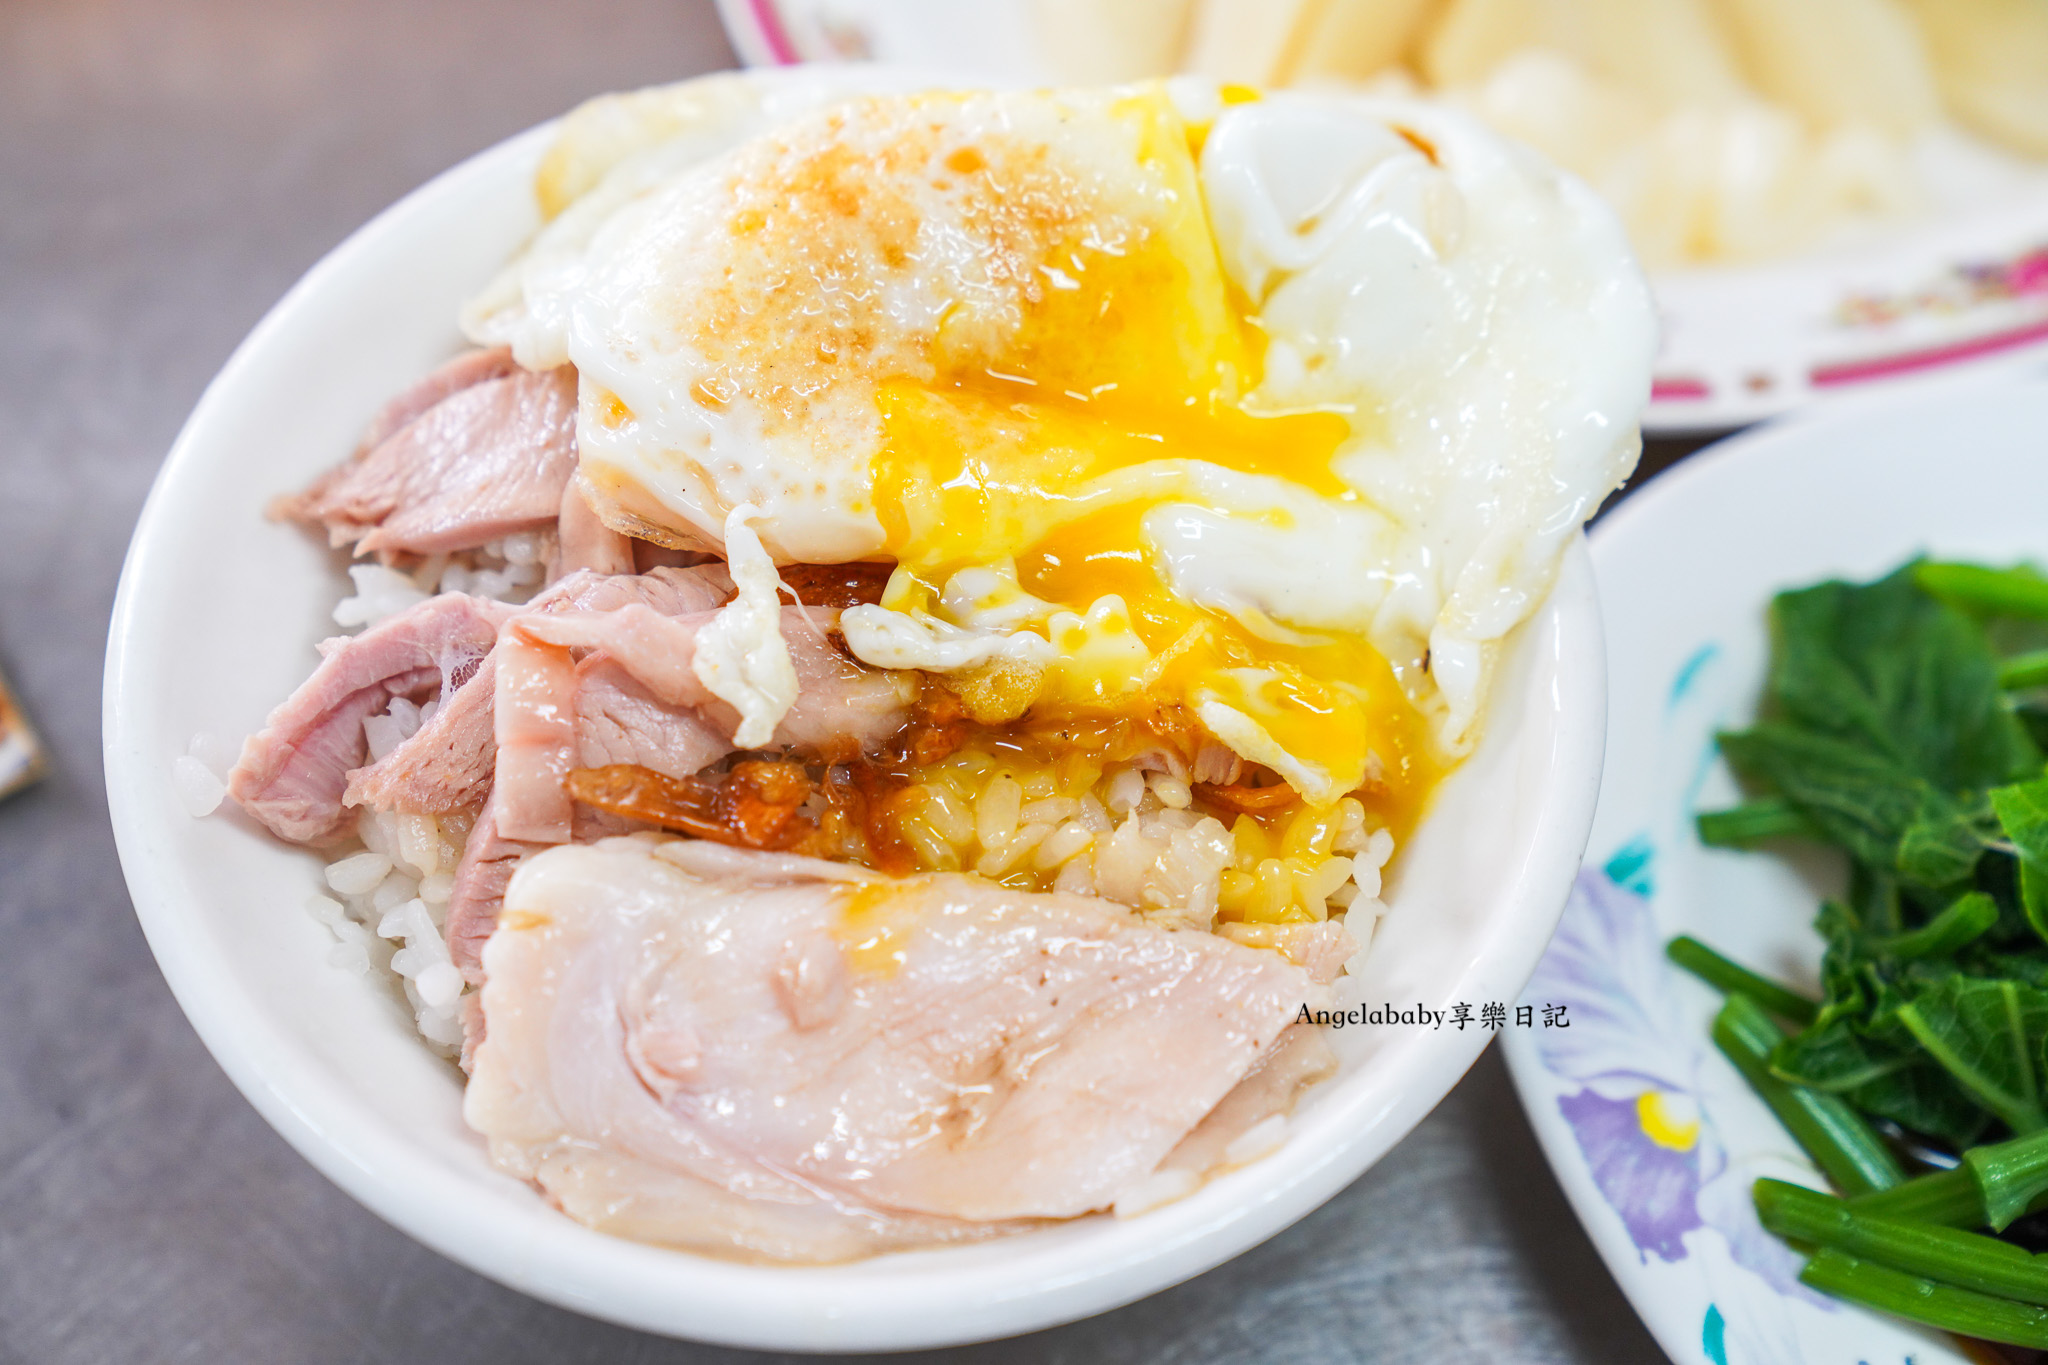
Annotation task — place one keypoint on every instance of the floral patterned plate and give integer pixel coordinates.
(1963, 290)
(1654, 1137)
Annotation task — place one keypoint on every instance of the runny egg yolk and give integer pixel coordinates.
(1133, 356)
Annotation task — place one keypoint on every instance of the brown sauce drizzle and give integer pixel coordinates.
(939, 725)
(752, 805)
(758, 803)
(837, 585)
(847, 806)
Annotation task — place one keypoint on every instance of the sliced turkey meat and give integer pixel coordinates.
(293, 772)
(448, 763)
(634, 699)
(582, 542)
(464, 371)
(670, 591)
(305, 768)
(618, 720)
(778, 1057)
(484, 871)
(842, 707)
(489, 459)
(481, 876)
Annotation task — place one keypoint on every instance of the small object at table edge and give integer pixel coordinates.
(21, 754)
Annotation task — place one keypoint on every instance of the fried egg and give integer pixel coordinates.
(1266, 416)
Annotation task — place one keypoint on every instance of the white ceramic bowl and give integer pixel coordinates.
(217, 614)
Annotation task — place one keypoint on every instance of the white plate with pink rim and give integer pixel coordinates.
(1653, 1135)
(1952, 294)
(215, 621)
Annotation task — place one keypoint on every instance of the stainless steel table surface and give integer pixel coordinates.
(167, 169)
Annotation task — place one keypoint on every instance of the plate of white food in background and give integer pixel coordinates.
(1833, 197)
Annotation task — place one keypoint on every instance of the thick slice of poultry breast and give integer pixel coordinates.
(862, 1062)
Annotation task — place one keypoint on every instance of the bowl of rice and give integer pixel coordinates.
(322, 982)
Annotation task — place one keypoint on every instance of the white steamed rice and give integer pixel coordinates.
(387, 908)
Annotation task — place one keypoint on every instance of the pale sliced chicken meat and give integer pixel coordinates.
(777, 1057)
(1300, 1058)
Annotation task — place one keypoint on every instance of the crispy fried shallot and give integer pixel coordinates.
(754, 805)
(939, 724)
(837, 585)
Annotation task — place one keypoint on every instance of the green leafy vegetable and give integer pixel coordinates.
(2023, 814)
(2018, 591)
(1851, 796)
(1996, 1183)
(1889, 669)
(1919, 1299)
(1886, 733)
(2011, 1177)
(1968, 1260)
(1946, 1198)
(2024, 671)
(1924, 1098)
(2022, 810)
(1987, 1035)
(1892, 730)
(1718, 972)
(1941, 847)
(1752, 822)
(1839, 1142)
(1965, 921)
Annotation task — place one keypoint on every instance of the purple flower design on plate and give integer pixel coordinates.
(1654, 1187)
(1636, 1119)
(1654, 1153)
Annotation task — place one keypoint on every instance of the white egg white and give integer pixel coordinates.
(1491, 303)
(1480, 315)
